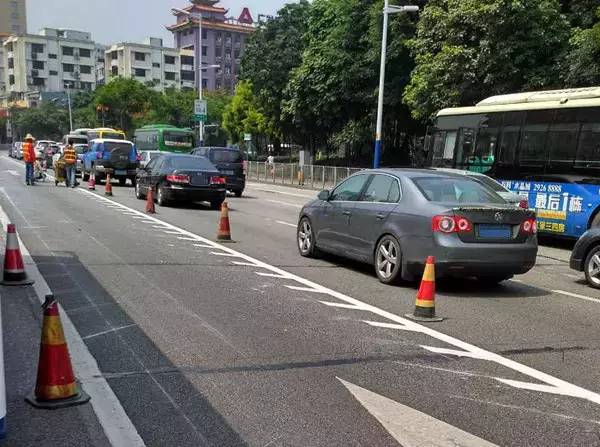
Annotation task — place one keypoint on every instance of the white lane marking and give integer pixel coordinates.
(172, 232)
(117, 426)
(286, 223)
(115, 329)
(217, 253)
(277, 191)
(304, 289)
(183, 238)
(271, 275)
(387, 325)
(575, 295)
(202, 245)
(564, 387)
(412, 428)
(284, 203)
(15, 173)
(341, 305)
(138, 217)
(246, 264)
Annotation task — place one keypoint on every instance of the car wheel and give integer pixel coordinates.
(160, 197)
(591, 267)
(388, 260)
(305, 236)
(238, 193)
(122, 181)
(138, 192)
(216, 204)
(492, 280)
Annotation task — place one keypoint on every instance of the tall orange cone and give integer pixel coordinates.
(150, 201)
(92, 182)
(108, 187)
(425, 303)
(14, 268)
(56, 386)
(224, 233)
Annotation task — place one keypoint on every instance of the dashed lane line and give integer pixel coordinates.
(294, 205)
(549, 384)
(576, 295)
(280, 222)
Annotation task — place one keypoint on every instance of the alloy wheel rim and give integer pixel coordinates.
(594, 268)
(387, 259)
(305, 237)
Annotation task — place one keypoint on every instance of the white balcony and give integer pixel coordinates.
(187, 68)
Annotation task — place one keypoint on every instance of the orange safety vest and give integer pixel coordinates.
(70, 156)
(28, 152)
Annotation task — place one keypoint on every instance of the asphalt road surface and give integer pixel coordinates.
(251, 344)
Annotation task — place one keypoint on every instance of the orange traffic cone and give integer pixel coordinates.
(425, 303)
(150, 201)
(224, 233)
(14, 269)
(108, 187)
(56, 386)
(92, 182)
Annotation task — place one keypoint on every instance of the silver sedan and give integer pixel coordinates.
(396, 218)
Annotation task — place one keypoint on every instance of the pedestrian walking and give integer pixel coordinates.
(29, 159)
(70, 157)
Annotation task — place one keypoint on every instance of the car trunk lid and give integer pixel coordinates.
(492, 224)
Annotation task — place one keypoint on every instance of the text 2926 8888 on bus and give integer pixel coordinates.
(542, 145)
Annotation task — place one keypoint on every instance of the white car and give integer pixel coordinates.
(40, 148)
(146, 156)
(509, 196)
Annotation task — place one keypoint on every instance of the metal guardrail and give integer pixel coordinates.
(309, 176)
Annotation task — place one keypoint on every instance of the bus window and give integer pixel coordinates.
(562, 139)
(533, 144)
(465, 151)
(443, 149)
(588, 152)
(485, 150)
(509, 140)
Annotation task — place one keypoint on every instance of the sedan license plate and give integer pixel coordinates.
(495, 231)
(120, 172)
(227, 172)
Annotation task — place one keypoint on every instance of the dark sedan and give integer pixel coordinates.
(585, 256)
(395, 218)
(177, 177)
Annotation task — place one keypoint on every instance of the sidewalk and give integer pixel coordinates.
(25, 425)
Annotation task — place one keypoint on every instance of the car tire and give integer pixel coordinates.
(122, 181)
(388, 260)
(138, 192)
(160, 196)
(305, 238)
(592, 262)
(238, 193)
(216, 204)
(493, 280)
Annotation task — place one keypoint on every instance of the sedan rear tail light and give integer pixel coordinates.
(451, 224)
(216, 180)
(529, 226)
(176, 178)
(524, 203)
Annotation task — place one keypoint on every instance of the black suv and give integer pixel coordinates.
(230, 163)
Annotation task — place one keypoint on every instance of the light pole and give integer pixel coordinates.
(387, 10)
(68, 85)
(199, 66)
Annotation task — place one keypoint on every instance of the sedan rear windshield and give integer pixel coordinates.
(456, 190)
(490, 182)
(225, 156)
(191, 162)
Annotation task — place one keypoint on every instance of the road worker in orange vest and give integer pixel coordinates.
(29, 158)
(70, 158)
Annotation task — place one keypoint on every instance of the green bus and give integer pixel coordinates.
(164, 138)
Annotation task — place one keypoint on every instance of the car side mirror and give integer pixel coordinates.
(324, 195)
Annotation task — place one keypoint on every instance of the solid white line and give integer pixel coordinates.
(246, 264)
(117, 426)
(271, 275)
(285, 223)
(182, 238)
(561, 386)
(115, 329)
(217, 253)
(284, 203)
(575, 295)
(304, 289)
(172, 232)
(277, 191)
(202, 245)
(341, 305)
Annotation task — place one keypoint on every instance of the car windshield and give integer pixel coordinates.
(225, 156)
(190, 162)
(178, 139)
(456, 190)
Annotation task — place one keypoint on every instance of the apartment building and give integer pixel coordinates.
(149, 62)
(13, 17)
(51, 61)
(222, 43)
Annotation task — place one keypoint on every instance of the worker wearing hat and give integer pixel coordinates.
(29, 158)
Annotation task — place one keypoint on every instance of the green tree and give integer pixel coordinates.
(273, 51)
(47, 121)
(242, 116)
(466, 50)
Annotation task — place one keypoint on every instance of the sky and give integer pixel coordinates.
(112, 21)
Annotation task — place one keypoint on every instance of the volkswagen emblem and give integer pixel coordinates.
(499, 217)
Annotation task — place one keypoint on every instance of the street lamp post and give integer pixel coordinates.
(387, 10)
(198, 59)
(69, 102)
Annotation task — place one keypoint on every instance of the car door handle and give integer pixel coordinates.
(380, 216)
(346, 213)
